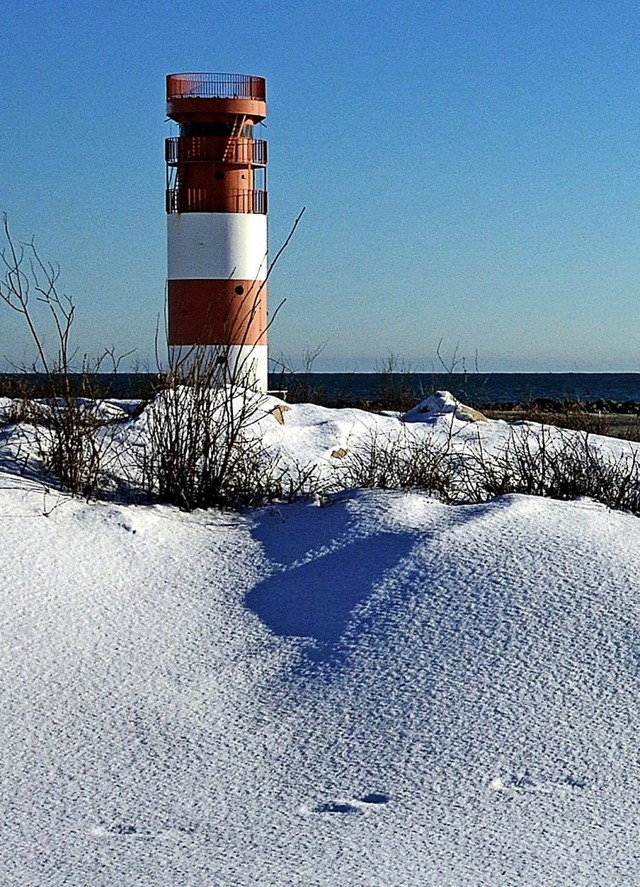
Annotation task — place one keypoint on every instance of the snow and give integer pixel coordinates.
(371, 688)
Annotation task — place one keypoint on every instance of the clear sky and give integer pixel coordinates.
(469, 168)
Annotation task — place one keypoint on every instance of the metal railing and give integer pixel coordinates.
(212, 200)
(216, 86)
(216, 149)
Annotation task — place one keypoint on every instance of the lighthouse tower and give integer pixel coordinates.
(217, 224)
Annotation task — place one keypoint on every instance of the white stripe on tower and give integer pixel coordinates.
(217, 246)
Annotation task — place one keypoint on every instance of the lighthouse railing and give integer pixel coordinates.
(219, 149)
(210, 200)
(216, 86)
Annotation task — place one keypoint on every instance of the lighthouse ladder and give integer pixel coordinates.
(236, 129)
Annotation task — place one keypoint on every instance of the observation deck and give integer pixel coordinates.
(210, 96)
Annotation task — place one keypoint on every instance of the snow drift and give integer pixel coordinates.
(384, 690)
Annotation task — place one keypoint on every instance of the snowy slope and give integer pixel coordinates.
(384, 691)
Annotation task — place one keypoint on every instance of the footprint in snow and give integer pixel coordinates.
(131, 831)
(118, 828)
(375, 798)
(524, 783)
(357, 806)
(338, 807)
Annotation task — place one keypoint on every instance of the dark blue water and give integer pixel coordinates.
(482, 388)
(474, 388)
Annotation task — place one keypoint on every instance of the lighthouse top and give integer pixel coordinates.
(195, 95)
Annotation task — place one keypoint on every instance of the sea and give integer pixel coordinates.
(476, 388)
(345, 388)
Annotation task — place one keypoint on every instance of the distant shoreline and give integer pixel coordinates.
(546, 392)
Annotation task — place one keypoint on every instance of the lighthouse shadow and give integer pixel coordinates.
(316, 599)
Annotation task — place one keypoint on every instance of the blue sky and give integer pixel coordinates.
(469, 168)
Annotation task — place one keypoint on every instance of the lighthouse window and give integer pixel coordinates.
(247, 131)
(199, 128)
(239, 290)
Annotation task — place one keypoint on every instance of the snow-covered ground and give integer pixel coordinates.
(372, 688)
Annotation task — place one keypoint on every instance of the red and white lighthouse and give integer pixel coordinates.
(217, 223)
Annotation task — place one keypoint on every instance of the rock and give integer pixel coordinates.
(278, 412)
(442, 403)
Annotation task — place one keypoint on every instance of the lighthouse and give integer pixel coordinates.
(216, 201)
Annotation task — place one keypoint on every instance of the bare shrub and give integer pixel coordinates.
(195, 449)
(67, 424)
(199, 445)
(542, 461)
(558, 464)
(404, 461)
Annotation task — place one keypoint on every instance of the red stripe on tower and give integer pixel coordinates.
(217, 222)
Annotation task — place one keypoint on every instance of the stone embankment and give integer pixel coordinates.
(546, 405)
(603, 416)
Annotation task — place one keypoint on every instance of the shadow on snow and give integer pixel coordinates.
(317, 598)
